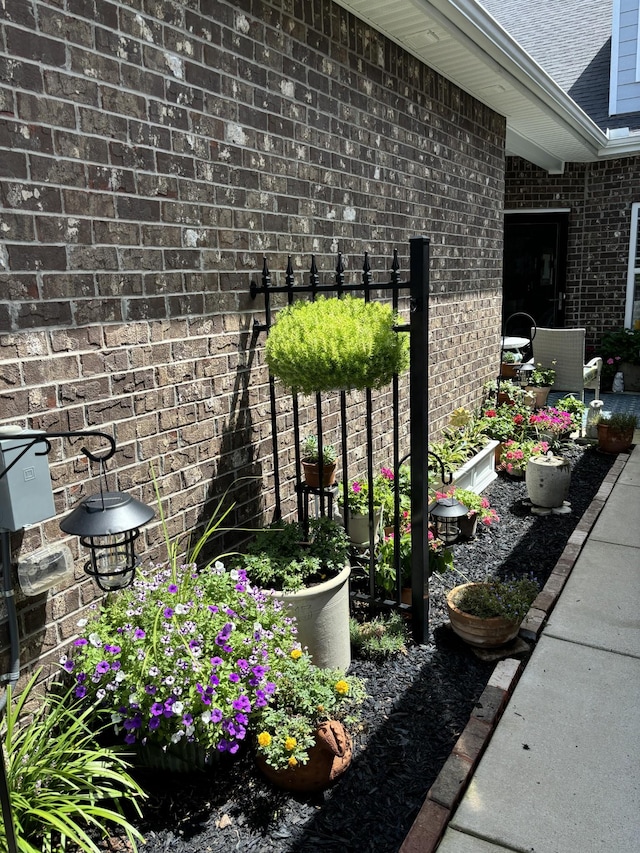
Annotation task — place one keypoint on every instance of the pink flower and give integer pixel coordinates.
(387, 473)
(356, 487)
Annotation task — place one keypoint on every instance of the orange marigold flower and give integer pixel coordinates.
(290, 744)
(296, 653)
(292, 762)
(342, 687)
(264, 739)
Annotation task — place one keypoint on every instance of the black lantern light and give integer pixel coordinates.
(108, 525)
(444, 516)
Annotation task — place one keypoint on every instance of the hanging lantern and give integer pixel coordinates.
(108, 525)
(444, 517)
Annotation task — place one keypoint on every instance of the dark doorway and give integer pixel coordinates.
(535, 259)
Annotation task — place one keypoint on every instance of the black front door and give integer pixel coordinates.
(534, 273)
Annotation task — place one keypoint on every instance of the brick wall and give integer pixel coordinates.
(150, 155)
(599, 196)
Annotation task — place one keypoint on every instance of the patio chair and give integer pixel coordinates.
(566, 348)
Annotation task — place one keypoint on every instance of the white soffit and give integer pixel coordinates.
(461, 41)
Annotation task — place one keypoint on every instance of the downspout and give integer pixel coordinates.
(9, 678)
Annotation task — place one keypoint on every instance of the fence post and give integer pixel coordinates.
(418, 401)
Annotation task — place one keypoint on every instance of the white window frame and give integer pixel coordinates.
(633, 270)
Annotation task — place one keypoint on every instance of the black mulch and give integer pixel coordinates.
(418, 704)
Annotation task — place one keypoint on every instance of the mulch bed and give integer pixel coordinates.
(417, 707)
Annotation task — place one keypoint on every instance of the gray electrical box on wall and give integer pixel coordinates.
(26, 495)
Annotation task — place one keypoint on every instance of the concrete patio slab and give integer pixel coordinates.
(458, 842)
(560, 773)
(599, 603)
(618, 522)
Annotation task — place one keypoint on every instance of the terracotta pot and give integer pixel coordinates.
(328, 759)
(509, 370)
(614, 442)
(483, 633)
(311, 472)
(548, 479)
(540, 393)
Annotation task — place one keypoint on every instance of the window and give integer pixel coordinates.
(632, 310)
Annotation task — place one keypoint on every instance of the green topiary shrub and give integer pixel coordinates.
(336, 344)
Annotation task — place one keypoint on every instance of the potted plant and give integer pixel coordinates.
(620, 351)
(539, 382)
(310, 575)
(488, 614)
(311, 462)
(479, 510)
(466, 451)
(181, 662)
(508, 367)
(336, 344)
(303, 741)
(516, 455)
(385, 561)
(615, 431)
(353, 500)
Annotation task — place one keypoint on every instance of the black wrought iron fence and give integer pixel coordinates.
(405, 397)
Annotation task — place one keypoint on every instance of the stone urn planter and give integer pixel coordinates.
(359, 527)
(548, 479)
(540, 394)
(322, 613)
(328, 759)
(486, 633)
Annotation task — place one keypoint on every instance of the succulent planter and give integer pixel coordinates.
(479, 471)
(311, 472)
(483, 633)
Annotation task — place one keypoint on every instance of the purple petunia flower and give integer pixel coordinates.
(167, 612)
(68, 665)
(80, 691)
(150, 689)
(80, 642)
(156, 709)
(172, 587)
(234, 678)
(139, 634)
(103, 667)
(216, 715)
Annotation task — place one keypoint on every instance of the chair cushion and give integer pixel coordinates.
(589, 373)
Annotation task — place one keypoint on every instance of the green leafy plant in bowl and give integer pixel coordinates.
(336, 344)
(509, 599)
(279, 557)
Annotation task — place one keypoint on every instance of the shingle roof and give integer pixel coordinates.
(571, 41)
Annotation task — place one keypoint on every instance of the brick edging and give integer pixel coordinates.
(446, 792)
(452, 780)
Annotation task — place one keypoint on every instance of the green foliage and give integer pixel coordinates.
(462, 438)
(310, 452)
(510, 599)
(382, 637)
(61, 783)
(307, 695)
(619, 422)
(621, 345)
(333, 344)
(541, 376)
(279, 558)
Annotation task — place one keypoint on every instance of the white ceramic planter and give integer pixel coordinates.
(548, 479)
(479, 471)
(322, 614)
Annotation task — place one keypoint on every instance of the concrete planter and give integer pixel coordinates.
(322, 614)
(548, 479)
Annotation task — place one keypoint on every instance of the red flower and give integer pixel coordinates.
(518, 419)
(490, 413)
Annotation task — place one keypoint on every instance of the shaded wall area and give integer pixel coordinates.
(150, 155)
